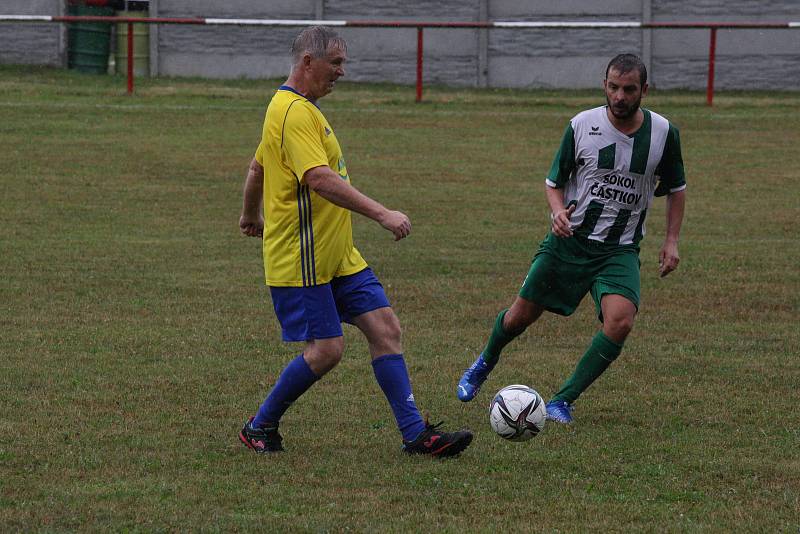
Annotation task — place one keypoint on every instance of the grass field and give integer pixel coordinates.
(136, 334)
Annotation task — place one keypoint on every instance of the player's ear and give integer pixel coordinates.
(644, 89)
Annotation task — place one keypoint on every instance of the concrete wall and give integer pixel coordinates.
(225, 51)
(30, 43)
(390, 54)
(746, 59)
(500, 57)
(558, 58)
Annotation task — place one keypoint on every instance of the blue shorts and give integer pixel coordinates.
(317, 312)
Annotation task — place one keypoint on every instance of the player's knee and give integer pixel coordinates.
(520, 316)
(389, 340)
(333, 357)
(618, 328)
(334, 352)
(517, 320)
(329, 354)
(392, 330)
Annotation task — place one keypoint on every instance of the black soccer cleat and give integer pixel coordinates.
(261, 440)
(438, 444)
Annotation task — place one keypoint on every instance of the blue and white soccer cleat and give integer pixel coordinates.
(473, 379)
(559, 411)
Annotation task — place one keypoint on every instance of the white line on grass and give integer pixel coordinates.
(189, 107)
(125, 107)
(387, 109)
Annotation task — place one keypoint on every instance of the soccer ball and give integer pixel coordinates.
(517, 413)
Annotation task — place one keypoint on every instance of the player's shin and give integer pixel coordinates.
(392, 376)
(498, 339)
(296, 378)
(594, 362)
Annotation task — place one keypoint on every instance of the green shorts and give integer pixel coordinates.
(565, 269)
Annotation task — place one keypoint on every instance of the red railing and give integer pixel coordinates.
(712, 26)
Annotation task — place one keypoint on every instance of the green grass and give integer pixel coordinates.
(136, 334)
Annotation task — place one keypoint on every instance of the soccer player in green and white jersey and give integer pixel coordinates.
(612, 161)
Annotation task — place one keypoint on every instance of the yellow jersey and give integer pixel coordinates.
(307, 239)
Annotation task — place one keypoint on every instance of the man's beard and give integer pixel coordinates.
(626, 112)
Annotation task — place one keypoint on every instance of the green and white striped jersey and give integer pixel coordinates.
(612, 177)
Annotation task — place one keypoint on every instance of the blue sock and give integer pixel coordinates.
(295, 380)
(392, 375)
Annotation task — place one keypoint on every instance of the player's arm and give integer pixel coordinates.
(330, 186)
(302, 145)
(668, 257)
(561, 171)
(559, 214)
(251, 221)
(673, 182)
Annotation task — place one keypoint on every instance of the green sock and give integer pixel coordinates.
(597, 358)
(499, 339)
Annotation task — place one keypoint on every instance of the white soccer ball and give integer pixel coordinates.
(517, 413)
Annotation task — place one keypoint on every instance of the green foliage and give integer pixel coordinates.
(137, 334)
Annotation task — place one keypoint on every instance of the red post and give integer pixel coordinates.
(712, 52)
(419, 63)
(130, 58)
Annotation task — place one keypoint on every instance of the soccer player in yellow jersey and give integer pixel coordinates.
(298, 198)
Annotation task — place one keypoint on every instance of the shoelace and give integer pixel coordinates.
(428, 426)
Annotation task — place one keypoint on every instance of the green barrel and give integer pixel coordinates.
(89, 42)
(141, 45)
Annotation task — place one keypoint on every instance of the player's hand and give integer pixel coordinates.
(251, 226)
(396, 222)
(561, 226)
(668, 258)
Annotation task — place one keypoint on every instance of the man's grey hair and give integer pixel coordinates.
(316, 40)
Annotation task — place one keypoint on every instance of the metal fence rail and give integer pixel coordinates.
(420, 26)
